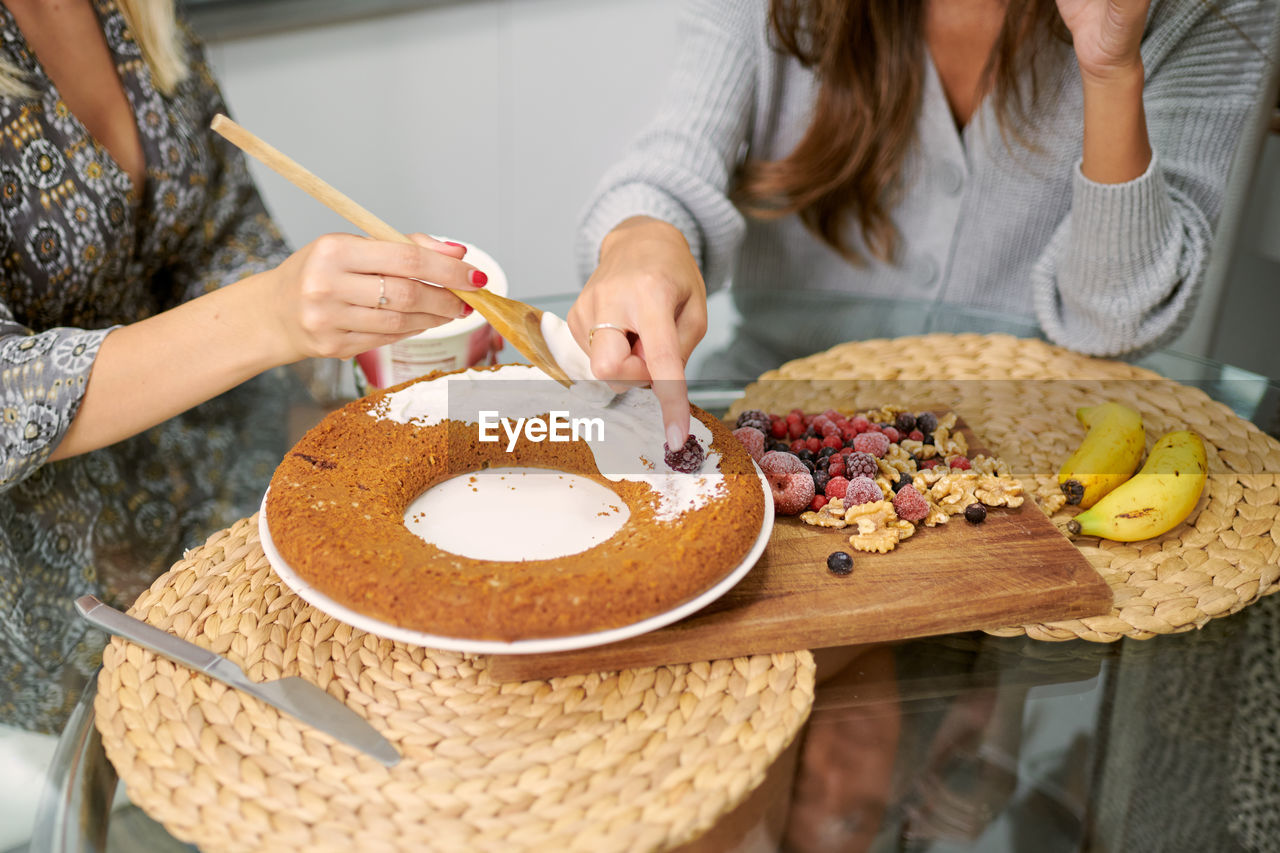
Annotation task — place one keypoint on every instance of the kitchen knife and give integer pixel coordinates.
(294, 696)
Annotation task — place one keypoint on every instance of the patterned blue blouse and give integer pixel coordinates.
(79, 256)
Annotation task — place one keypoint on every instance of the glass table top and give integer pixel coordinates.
(965, 741)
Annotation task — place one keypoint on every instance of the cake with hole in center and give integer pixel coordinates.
(336, 507)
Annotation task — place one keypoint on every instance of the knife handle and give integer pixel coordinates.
(148, 636)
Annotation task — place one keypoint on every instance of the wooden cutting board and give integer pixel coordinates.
(1013, 569)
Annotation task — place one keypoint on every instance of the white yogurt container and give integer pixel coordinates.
(458, 344)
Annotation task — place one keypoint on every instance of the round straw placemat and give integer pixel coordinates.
(1019, 397)
(642, 759)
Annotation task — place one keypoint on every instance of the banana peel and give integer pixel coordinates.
(1156, 499)
(1107, 457)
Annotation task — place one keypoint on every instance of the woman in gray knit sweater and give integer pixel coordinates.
(1062, 160)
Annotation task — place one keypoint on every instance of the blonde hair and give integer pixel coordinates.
(154, 24)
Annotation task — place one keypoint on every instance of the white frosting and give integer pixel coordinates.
(574, 361)
(632, 447)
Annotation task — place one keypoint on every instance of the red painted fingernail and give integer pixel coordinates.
(451, 243)
(466, 310)
(477, 278)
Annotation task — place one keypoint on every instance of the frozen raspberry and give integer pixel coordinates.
(893, 435)
(961, 462)
(833, 441)
(926, 422)
(915, 435)
(790, 481)
(905, 422)
(688, 458)
(875, 443)
(814, 444)
(755, 418)
(862, 490)
(860, 424)
(836, 487)
(860, 464)
(778, 428)
(836, 466)
(752, 439)
(910, 504)
(818, 502)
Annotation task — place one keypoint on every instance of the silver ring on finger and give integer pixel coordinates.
(591, 333)
(382, 292)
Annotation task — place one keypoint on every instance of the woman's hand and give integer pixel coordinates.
(648, 286)
(325, 298)
(1106, 35)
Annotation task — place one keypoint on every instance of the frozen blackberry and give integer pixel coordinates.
(904, 479)
(975, 513)
(687, 459)
(840, 563)
(905, 422)
(859, 464)
(755, 418)
(926, 422)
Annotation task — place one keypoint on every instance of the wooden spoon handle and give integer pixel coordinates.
(305, 180)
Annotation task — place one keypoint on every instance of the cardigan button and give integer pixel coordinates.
(950, 178)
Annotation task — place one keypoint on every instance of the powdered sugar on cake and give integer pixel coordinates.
(632, 447)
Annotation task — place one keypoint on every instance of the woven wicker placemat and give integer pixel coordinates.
(642, 759)
(1020, 397)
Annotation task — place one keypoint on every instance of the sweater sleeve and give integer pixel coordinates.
(680, 168)
(1123, 270)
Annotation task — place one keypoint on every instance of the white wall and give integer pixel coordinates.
(487, 120)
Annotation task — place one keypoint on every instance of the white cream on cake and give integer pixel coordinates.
(633, 445)
(574, 361)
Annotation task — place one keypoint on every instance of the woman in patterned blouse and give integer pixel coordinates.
(144, 289)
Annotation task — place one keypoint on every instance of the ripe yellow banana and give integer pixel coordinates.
(1108, 456)
(1156, 499)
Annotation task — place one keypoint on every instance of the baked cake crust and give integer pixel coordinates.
(336, 515)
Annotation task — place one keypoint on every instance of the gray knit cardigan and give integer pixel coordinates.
(987, 223)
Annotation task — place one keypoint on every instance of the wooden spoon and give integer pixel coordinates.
(518, 323)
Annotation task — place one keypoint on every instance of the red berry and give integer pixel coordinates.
(795, 415)
(915, 435)
(961, 462)
(797, 445)
(845, 451)
(848, 431)
(833, 414)
(833, 441)
(894, 435)
(789, 480)
(929, 463)
(836, 487)
(778, 429)
(819, 501)
(910, 504)
(862, 490)
(860, 424)
(752, 439)
(814, 444)
(808, 420)
(795, 428)
(875, 443)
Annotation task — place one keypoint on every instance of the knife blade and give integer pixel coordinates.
(295, 696)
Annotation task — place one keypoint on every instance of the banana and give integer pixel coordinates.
(1108, 456)
(1156, 499)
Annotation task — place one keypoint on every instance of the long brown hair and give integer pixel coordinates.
(868, 58)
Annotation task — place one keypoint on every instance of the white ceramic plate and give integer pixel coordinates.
(345, 614)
